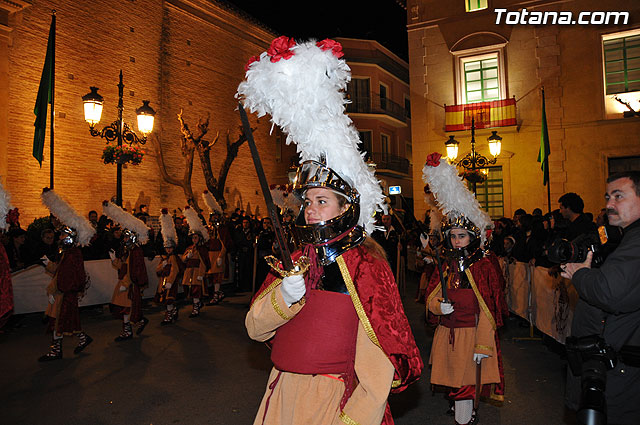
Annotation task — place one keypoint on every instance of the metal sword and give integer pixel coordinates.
(285, 254)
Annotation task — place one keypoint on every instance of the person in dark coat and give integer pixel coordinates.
(243, 241)
(609, 303)
(572, 209)
(389, 240)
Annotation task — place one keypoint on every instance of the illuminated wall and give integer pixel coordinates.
(185, 57)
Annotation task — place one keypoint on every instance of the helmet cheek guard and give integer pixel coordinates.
(332, 237)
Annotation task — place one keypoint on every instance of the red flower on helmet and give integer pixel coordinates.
(433, 159)
(334, 46)
(281, 48)
(251, 60)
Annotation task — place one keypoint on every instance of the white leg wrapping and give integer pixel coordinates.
(464, 408)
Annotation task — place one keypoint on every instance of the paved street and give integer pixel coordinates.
(207, 371)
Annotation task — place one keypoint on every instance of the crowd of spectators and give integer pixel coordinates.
(528, 237)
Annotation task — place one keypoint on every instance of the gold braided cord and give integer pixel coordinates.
(267, 290)
(356, 302)
(347, 420)
(484, 347)
(276, 307)
(433, 294)
(396, 383)
(483, 305)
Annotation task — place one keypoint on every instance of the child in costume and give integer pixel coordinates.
(465, 341)
(169, 269)
(196, 261)
(132, 271)
(69, 278)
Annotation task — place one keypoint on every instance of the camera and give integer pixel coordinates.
(590, 357)
(575, 251)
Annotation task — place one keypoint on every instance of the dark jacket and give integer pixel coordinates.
(579, 226)
(609, 306)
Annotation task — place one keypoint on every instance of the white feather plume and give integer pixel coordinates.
(453, 198)
(195, 224)
(304, 95)
(435, 215)
(126, 220)
(285, 199)
(67, 215)
(210, 202)
(5, 206)
(168, 227)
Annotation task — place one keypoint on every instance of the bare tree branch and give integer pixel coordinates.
(189, 144)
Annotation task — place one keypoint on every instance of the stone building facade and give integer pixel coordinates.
(182, 55)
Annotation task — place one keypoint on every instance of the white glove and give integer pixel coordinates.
(122, 288)
(219, 261)
(477, 357)
(52, 299)
(164, 263)
(167, 286)
(200, 277)
(424, 240)
(112, 254)
(293, 289)
(45, 260)
(189, 254)
(446, 308)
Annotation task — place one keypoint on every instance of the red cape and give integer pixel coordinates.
(379, 296)
(138, 269)
(71, 276)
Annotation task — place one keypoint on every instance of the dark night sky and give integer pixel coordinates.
(380, 20)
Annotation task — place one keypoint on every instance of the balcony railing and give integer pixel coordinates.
(377, 105)
(386, 161)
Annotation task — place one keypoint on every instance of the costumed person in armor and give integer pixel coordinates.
(169, 269)
(340, 339)
(132, 271)
(469, 312)
(216, 248)
(6, 289)
(69, 278)
(196, 261)
(426, 253)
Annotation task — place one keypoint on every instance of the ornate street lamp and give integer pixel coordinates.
(118, 130)
(473, 161)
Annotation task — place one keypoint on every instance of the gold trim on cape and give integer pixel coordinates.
(276, 307)
(347, 420)
(267, 290)
(481, 302)
(357, 304)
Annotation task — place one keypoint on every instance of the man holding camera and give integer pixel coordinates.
(609, 304)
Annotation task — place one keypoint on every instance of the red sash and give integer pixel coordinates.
(193, 262)
(465, 311)
(321, 338)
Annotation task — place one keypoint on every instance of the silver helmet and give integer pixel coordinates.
(332, 237)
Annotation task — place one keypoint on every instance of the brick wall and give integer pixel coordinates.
(180, 58)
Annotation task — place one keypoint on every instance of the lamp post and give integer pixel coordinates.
(474, 161)
(118, 130)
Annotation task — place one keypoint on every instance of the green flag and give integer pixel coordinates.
(45, 94)
(545, 150)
